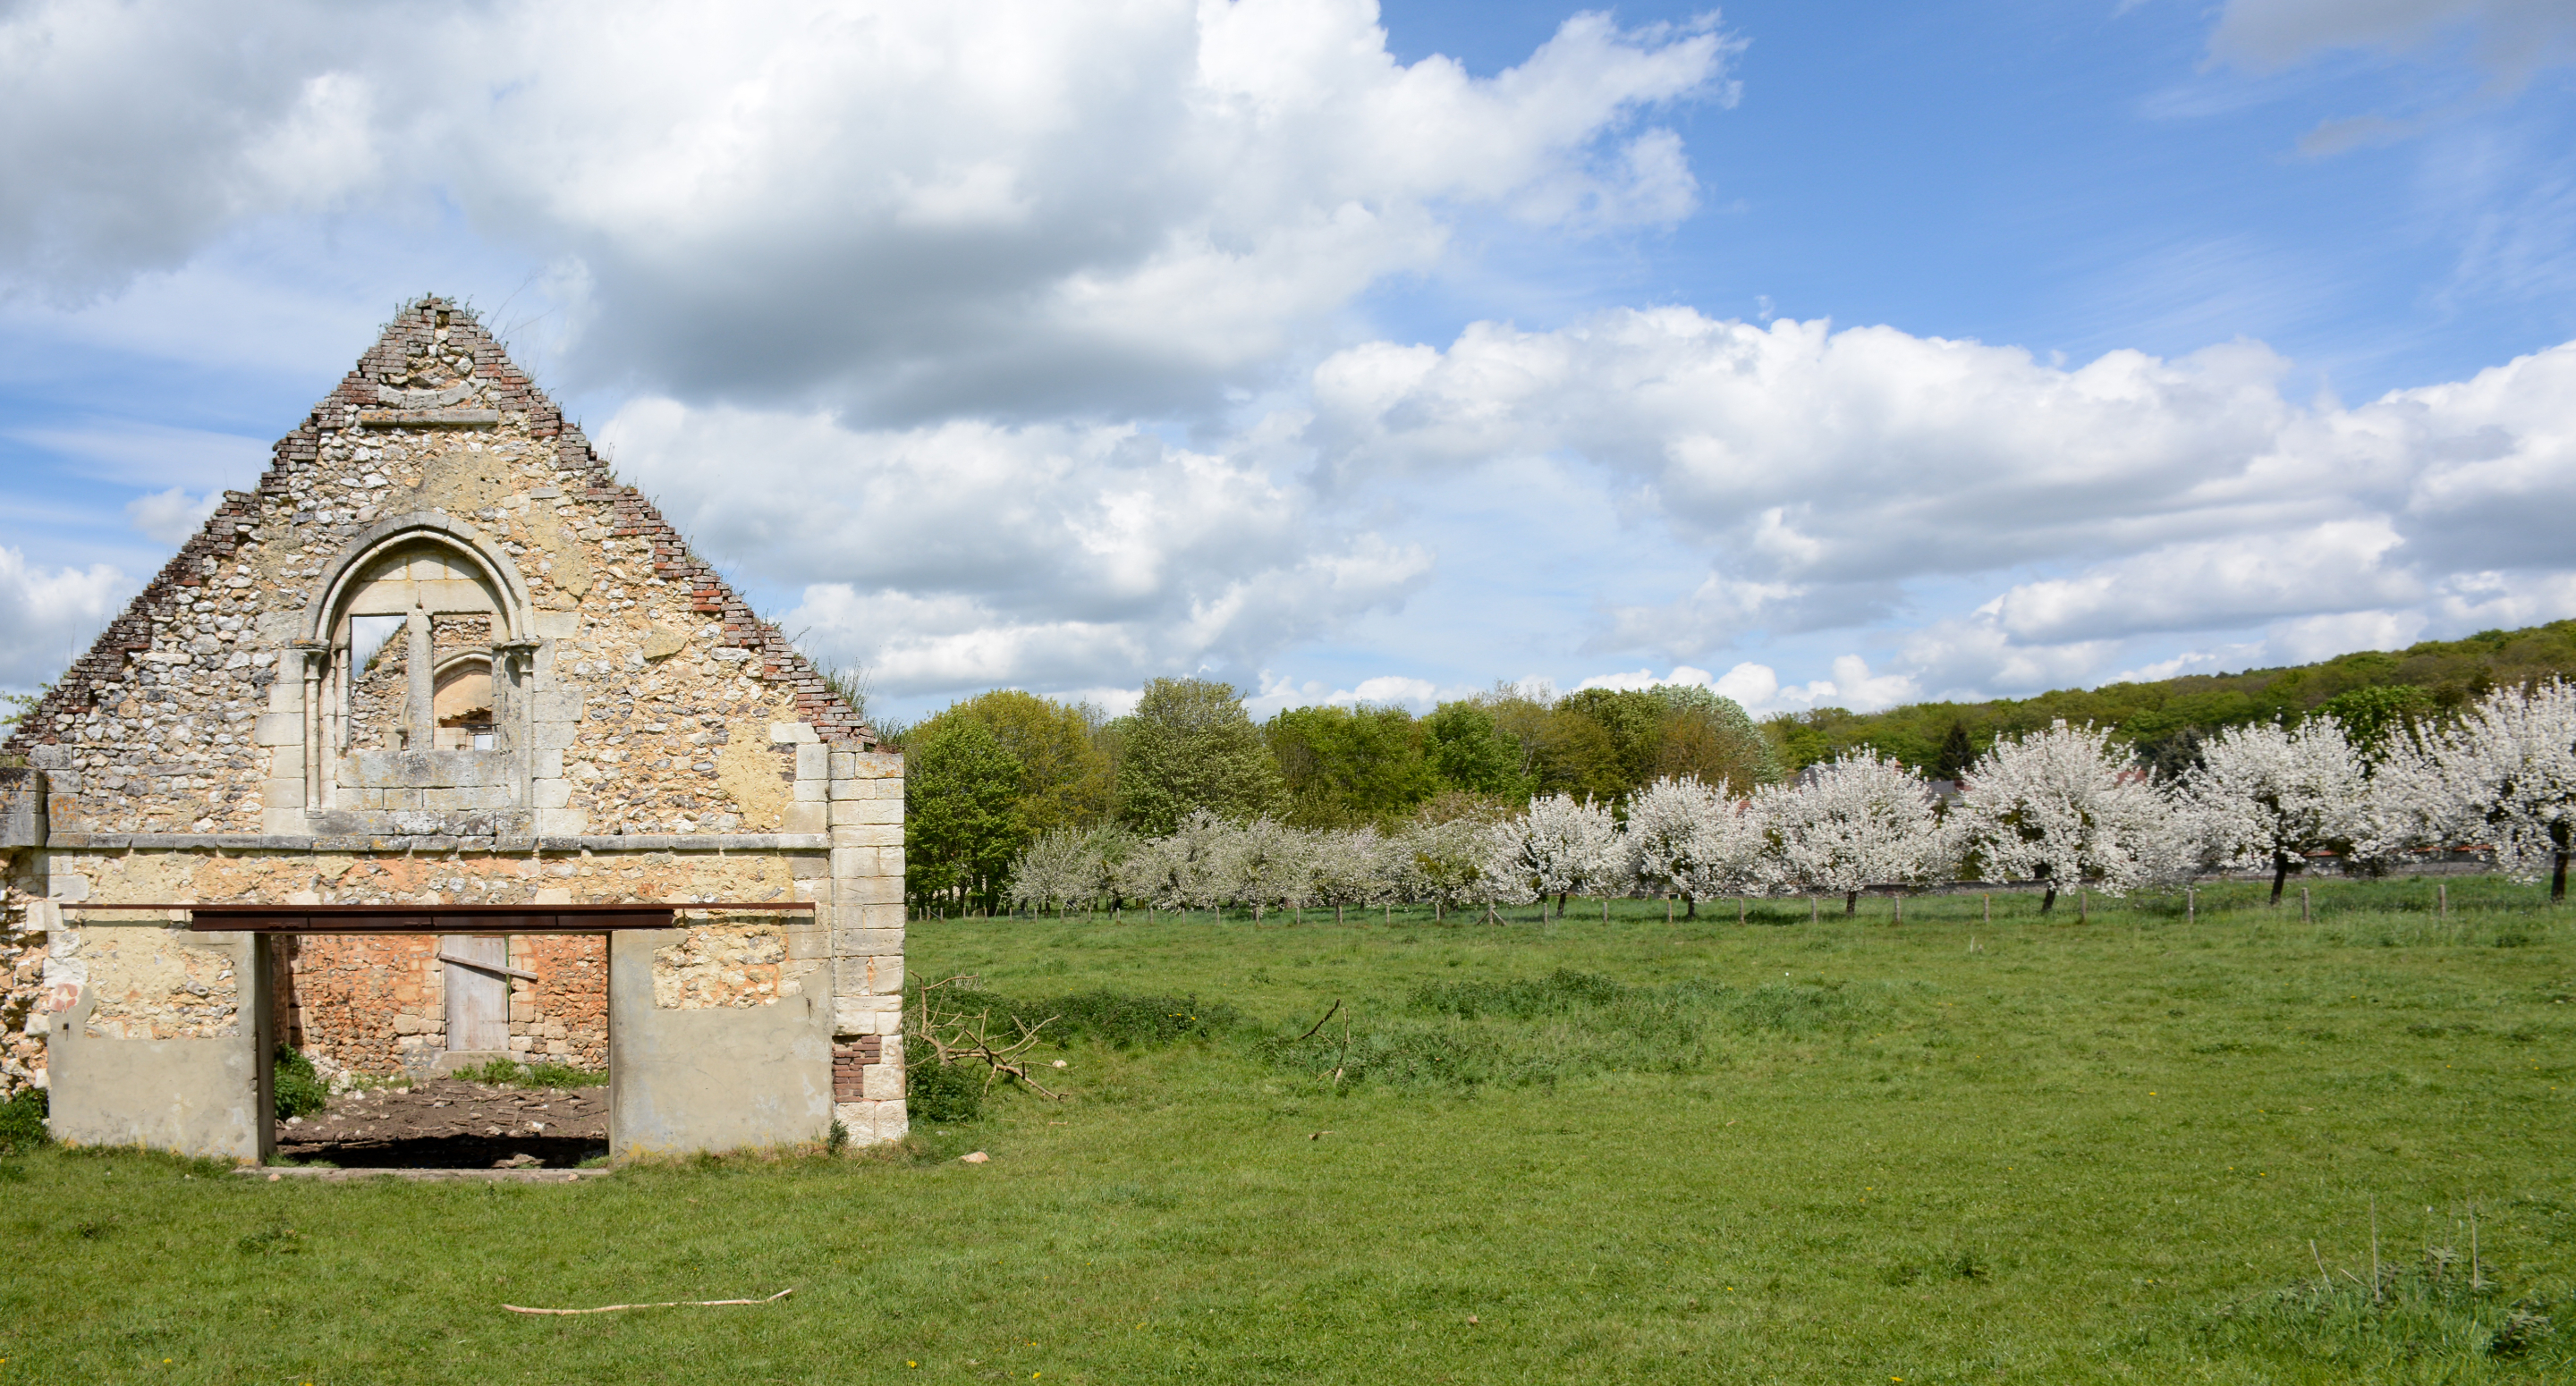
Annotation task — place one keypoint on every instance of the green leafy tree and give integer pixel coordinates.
(2372, 717)
(1064, 775)
(1190, 745)
(961, 825)
(1349, 766)
(1474, 755)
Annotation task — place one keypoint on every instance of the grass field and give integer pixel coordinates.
(1951, 1151)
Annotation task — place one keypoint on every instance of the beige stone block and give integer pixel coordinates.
(785, 733)
(864, 834)
(278, 729)
(864, 1013)
(876, 765)
(812, 791)
(406, 1025)
(885, 974)
(870, 890)
(550, 794)
(805, 817)
(844, 764)
(552, 735)
(286, 762)
(562, 822)
(284, 820)
(285, 791)
(849, 943)
(558, 623)
(813, 762)
(892, 1121)
(868, 811)
(809, 943)
(546, 765)
(815, 888)
(554, 895)
(882, 1082)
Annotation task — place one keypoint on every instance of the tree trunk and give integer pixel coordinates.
(1560, 905)
(1668, 909)
(1693, 911)
(2280, 874)
(1851, 903)
(2048, 901)
(2558, 878)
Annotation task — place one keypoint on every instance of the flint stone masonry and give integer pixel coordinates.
(440, 655)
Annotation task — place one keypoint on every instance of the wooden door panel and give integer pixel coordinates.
(478, 1002)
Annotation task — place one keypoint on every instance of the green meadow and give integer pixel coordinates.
(1977, 1146)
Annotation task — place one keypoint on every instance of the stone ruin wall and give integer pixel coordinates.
(664, 707)
(377, 1004)
(160, 729)
(22, 991)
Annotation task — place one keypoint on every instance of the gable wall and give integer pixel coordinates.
(667, 745)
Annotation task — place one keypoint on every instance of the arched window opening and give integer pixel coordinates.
(412, 653)
(463, 701)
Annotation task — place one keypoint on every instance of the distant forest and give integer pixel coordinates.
(2166, 719)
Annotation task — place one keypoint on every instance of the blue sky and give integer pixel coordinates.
(1832, 353)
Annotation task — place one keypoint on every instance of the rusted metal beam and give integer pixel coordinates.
(265, 918)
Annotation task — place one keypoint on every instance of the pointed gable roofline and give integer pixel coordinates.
(500, 387)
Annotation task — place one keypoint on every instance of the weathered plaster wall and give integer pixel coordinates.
(712, 1078)
(203, 1094)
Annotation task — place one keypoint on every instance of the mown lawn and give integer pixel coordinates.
(1783, 1151)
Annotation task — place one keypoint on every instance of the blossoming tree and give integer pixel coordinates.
(2267, 795)
(1852, 823)
(2064, 807)
(2509, 769)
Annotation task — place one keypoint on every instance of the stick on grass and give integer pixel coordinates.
(665, 1304)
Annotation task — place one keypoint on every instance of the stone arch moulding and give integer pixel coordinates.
(416, 787)
(322, 613)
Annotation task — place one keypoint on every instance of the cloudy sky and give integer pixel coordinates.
(1833, 352)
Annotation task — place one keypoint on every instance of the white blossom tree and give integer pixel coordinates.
(2267, 795)
(1265, 865)
(1054, 869)
(1689, 839)
(1560, 848)
(2064, 807)
(2508, 770)
(1184, 869)
(1354, 867)
(1452, 863)
(1851, 823)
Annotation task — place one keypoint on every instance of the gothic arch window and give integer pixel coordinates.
(417, 643)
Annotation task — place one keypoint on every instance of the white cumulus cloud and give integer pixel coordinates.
(915, 210)
(48, 614)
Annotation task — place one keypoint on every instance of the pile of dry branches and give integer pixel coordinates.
(957, 1035)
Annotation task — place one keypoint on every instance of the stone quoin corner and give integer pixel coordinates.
(441, 746)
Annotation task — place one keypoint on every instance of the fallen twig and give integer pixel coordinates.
(666, 1304)
(1318, 1025)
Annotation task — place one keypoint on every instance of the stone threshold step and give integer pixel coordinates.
(499, 1176)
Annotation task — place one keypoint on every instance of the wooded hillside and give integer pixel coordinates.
(2165, 719)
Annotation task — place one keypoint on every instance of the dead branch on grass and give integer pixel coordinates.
(955, 1036)
(665, 1304)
